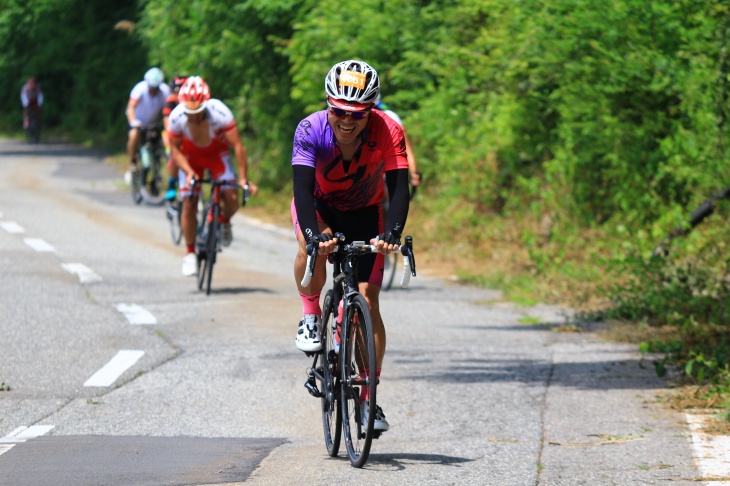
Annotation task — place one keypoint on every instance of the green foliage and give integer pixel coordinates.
(689, 296)
(85, 66)
(236, 47)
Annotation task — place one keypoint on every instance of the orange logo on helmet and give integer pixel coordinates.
(352, 78)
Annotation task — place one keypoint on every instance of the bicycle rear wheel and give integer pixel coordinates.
(357, 367)
(211, 248)
(331, 412)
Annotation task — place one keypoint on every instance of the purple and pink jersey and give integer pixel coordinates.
(382, 148)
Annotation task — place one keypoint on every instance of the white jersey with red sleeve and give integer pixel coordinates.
(220, 119)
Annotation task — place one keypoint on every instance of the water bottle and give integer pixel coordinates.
(340, 310)
(146, 156)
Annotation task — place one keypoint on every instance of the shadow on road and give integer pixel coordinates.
(400, 462)
(588, 375)
(239, 290)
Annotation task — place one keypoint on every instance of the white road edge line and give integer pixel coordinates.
(712, 452)
(12, 227)
(136, 314)
(39, 244)
(21, 434)
(85, 274)
(108, 374)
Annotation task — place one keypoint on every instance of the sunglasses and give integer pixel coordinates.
(340, 113)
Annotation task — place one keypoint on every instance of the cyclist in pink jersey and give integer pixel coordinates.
(339, 158)
(202, 133)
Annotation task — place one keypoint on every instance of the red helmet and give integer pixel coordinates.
(193, 94)
(178, 81)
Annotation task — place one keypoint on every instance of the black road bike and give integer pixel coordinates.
(208, 237)
(146, 184)
(346, 365)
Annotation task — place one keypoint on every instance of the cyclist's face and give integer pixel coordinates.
(347, 129)
(196, 118)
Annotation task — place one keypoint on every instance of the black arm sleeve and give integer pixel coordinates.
(397, 181)
(304, 200)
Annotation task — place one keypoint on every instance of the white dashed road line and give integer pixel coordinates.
(21, 434)
(122, 361)
(136, 314)
(712, 452)
(85, 274)
(12, 227)
(39, 245)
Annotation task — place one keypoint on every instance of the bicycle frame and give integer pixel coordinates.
(207, 234)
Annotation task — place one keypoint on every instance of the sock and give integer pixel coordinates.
(191, 248)
(171, 183)
(223, 219)
(310, 304)
(364, 392)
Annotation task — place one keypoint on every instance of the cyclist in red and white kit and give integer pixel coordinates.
(340, 155)
(202, 133)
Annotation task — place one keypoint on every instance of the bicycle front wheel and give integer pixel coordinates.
(174, 210)
(358, 383)
(136, 183)
(150, 188)
(211, 248)
(331, 412)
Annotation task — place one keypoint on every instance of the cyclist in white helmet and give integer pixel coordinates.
(144, 107)
(412, 165)
(339, 158)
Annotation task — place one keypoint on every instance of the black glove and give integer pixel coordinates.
(315, 240)
(392, 237)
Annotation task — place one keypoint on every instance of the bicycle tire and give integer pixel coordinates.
(211, 247)
(136, 183)
(33, 131)
(357, 369)
(389, 270)
(174, 210)
(150, 186)
(331, 412)
(201, 246)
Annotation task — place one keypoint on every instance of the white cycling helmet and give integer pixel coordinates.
(352, 85)
(154, 77)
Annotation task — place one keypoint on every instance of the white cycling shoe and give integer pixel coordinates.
(379, 423)
(309, 334)
(226, 234)
(190, 265)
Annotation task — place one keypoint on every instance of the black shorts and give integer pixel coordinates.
(358, 225)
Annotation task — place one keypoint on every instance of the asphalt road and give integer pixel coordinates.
(212, 392)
